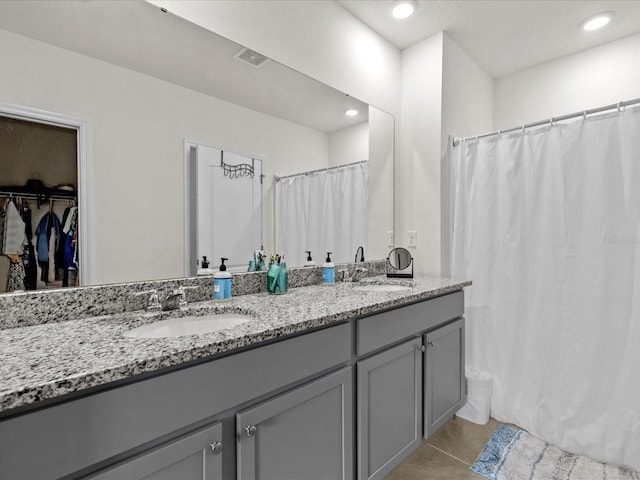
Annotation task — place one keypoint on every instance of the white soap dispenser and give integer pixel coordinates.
(204, 267)
(309, 262)
(328, 271)
(222, 283)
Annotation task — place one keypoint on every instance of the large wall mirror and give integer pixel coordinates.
(148, 83)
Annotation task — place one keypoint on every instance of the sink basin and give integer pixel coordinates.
(377, 287)
(191, 325)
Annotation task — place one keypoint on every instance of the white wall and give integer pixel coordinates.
(444, 92)
(380, 201)
(467, 94)
(316, 37)
(349, 144)
(596, 77)
(418, 174)
(138, 125)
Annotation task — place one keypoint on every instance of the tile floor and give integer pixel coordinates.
(448, 453)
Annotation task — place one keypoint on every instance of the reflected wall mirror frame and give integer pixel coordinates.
(82, 166)
(111, 40)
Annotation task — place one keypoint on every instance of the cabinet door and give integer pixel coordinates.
(303, 434)
(389, 408)
(195, 457)
(444, 384)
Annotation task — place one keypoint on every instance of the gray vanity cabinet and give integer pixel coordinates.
(292, 401)
(389, 408)
(197, 456)
(444, 381)
(303, 434)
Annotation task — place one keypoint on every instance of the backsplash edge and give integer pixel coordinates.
(22, 309)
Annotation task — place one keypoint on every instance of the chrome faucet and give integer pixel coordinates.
(177, 299)
(173, 301)
(345, 275)
(153, 303)
(360, 250)
(359, 273)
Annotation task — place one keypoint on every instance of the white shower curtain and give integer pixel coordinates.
(324, 211)
(545, 224)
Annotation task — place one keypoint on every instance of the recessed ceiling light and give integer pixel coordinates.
(403, 8)
(352, 112)
(597, 21)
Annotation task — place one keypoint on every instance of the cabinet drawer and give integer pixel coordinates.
(389, 327)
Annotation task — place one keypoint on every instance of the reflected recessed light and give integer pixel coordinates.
(404, 8)
(597, 21)
(352, 112)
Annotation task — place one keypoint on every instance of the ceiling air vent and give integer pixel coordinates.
(250, 57)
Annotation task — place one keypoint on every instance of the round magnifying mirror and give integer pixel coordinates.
(399, 258)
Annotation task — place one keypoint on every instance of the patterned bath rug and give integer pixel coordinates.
(514, 454)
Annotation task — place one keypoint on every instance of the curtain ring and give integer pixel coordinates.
(584, 115)
(620, 107)
(523, 127)
(499, 134)
(552, 122)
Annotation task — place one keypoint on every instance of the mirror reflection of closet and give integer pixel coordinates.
(38, 205)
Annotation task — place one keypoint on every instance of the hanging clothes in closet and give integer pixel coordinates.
(16, 245)
(54, 249)
(66, 253)
(3, 219)
(28, 254)
(14, 230)
(48, 229)
(13, 241)
(4, 260)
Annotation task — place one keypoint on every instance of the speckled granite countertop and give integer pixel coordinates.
(42, 362)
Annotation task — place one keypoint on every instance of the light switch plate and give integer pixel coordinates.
(390, 239)
(413, 238)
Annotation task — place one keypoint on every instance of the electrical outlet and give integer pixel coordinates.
(390, 239)
(413, 238)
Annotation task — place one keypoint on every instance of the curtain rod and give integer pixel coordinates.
(309, 172)
(619, 106)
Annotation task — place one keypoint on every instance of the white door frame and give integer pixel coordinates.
(84, 178)
(190, 226)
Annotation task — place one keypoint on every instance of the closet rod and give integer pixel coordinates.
(42, 196)
(309, 172)
(619, 106)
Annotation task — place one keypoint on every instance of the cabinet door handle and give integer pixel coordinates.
(216, 448)
(430, 343)
(250, 430)
(422, 348)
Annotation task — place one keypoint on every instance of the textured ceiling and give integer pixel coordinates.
(502, 36)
